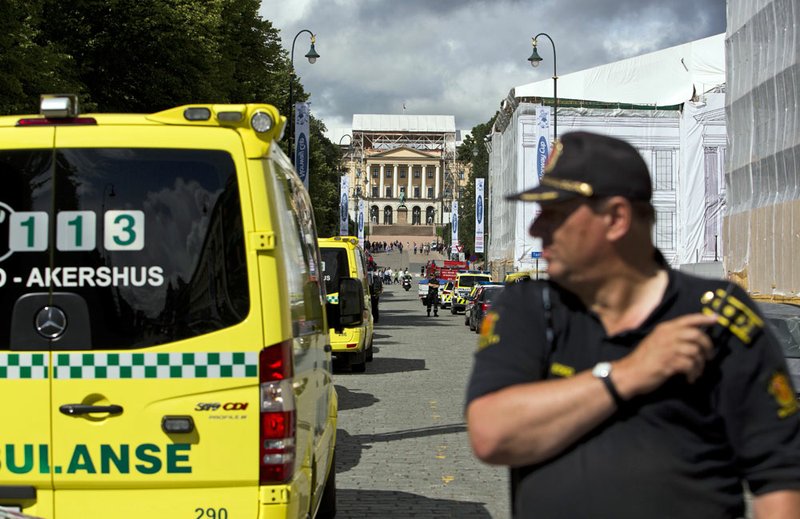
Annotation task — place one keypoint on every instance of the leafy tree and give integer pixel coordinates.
(254, 65)
(140, 55)
(28, 66)
(323, 182)
(472, 150)
(149, 55)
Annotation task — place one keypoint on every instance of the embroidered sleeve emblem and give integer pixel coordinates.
(487, 336)
(781, 389)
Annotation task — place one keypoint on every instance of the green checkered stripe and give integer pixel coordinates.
(334, 299)
(155, 365)
(23, 366)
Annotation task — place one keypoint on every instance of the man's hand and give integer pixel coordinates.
(678, 346)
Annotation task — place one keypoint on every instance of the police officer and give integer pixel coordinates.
(432, 298)
(620, 387)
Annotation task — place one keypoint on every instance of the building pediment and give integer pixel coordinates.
(403, 152)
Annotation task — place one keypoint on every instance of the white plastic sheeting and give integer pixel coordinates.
(701, 188)
(762, 227)
(404, 123)
(683, 145)
(662, 78)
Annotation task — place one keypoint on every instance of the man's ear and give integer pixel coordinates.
(618, 215)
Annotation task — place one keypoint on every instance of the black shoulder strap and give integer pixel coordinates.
(547, 308)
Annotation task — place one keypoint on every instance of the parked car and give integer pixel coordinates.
(463, 284)
(482, 303)
(784, 320)
(447, 294)
(516, 277)
(469, 300)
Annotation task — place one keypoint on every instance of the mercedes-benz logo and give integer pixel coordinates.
(51, 322)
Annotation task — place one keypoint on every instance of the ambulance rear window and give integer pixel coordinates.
(151, 239)
(334, 267)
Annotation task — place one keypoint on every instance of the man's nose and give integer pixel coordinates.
(539, 227)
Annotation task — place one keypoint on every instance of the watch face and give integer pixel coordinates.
(602, 369)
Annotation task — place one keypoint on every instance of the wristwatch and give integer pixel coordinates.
(602, 370)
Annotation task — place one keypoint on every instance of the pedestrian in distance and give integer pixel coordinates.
(621, 388)
(432, 299)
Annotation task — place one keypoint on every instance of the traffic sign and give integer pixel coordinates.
(536, 254)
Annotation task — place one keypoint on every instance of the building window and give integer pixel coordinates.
(376, 171)
(375, 192)
(388, 191)
(417, 171)
(416, 216)
(388, 171)
(663, 170)
(430, 172)
(416, 191)
(429, 214)
(461, 175)
(387, 215)
(402, 170)
(373, 214)
(430, 192)
(665, 230)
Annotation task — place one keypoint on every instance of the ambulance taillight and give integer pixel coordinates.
(278, 416)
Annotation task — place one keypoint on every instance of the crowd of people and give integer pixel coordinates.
(390, 276)
(382, 246)
(397, 245)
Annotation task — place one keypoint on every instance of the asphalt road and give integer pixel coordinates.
(402, 448)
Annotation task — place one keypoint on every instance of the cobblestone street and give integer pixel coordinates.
(402, 448)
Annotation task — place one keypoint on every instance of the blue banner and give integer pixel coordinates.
(344, 217)
(301, 141)
(479, 212)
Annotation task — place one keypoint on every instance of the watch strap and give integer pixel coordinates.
(612, 389)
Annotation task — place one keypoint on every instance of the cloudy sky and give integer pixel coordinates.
(461, 57)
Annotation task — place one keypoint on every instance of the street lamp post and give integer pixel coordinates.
(311, 56)
(535, 59)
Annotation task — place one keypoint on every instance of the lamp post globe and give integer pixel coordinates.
(535, 60)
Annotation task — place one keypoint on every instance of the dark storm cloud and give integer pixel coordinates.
(461, 57)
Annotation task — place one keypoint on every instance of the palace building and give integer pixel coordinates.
(404, 168)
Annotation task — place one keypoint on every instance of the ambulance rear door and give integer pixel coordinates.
(155, 383)
(26, 164)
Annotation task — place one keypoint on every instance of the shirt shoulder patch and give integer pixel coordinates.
(487, 335)
(781, 389)
(732, 314)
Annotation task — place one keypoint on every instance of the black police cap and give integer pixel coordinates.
(592, 166)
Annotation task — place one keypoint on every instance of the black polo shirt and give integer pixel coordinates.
(679, 452)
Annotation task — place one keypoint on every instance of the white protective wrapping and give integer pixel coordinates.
(668, 104)
(662, 78)
(762, 223)
(509, 243)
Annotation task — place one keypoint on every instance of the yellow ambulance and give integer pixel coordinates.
(343, 258)
(164, 346)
